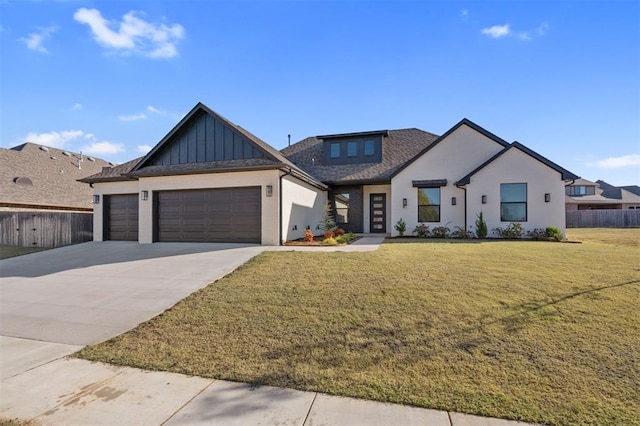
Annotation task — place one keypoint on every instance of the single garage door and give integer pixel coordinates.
(121, 212)
(209, 215)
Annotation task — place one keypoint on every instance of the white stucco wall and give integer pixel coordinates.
(108, 188)
(452, 159)
(367, 190)
(516, 166)
(302, 206)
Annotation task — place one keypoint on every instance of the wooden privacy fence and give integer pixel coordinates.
(622, 218)
(45, 229)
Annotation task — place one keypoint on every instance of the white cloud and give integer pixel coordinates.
(35, 41)
(542, 29)
(497, 31)
(103, 148)
(143, 149)
(524, 36)
(134, 35)
(54, 139)
(617, 162)
(155, 110)
(77, 107)
(133, 117)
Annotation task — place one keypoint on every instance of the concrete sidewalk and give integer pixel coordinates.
(77, 392)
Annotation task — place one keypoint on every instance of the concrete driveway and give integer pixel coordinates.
(87, 293)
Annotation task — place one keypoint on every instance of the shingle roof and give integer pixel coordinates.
(609, 191)
(398, 147)
(635, 189)
(113, 174)
(53, 173)
(206, 167)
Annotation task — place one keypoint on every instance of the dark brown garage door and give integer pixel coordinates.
(121, 217)
(209, 215)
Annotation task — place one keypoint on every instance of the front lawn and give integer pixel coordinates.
(536, 331)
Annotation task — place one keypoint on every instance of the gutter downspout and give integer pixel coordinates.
(280, 239)
(464, 188)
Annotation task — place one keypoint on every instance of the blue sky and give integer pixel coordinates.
(112, 78)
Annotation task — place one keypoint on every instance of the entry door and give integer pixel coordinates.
(378, 209)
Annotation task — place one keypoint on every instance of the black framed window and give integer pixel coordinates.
(352, 149)
(513, 202)
(428, 204)
(335, 150)
(369, 148)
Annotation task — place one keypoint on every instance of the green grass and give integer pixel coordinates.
(536, 331)
(12, 251)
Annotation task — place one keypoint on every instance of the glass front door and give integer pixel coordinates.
(378, 213)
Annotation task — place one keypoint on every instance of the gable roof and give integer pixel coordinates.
(634, 189)
(609, 191)
(53, 174)
(398, 147)
(565, 174)
(463, 122)
(113, 174)
(145, 167)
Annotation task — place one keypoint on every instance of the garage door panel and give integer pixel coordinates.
(209, 215)
(122, 217)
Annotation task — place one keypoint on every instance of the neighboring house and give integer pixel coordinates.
(36, 177)
(211, 180)
(599, 195)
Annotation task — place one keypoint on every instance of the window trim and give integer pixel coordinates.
(525, 202)
(430, 205)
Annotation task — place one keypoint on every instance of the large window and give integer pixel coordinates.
(513, 202)
(342, 207)
(428, 204)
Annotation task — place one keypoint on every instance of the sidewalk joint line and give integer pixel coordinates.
(315, 395)
(449, 416)
(189, 401)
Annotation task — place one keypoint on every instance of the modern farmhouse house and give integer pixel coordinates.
(211, 180)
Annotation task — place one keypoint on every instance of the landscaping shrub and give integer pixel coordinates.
(440, 232)
(512, 231)
(401, 227)
(328, 222)
(308, 235)
(330, 242)
(537, 234)
(481, 226)
(338, 232)
(554, 233)
(462, 233)
(328, 234)
(422, 231)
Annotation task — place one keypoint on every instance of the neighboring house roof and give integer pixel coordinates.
(51, 177)
(609, 191)
(398, 147)
(634, 189)
(463, 122)
(145, 167)
(113, 174)
(565, 174)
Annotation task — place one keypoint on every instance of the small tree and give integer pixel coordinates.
(401, 227)
(328, 222)
(481, 226)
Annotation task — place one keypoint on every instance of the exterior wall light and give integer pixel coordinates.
(547, 197)
(96, 199)
(484, 199)
(404, 202)
(144, 195)
(454, 201)
(269, 190)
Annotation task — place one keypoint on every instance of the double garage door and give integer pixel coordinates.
(201, 215)
(209, 215)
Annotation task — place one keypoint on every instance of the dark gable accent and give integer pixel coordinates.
(204, 138)
(433, 183)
